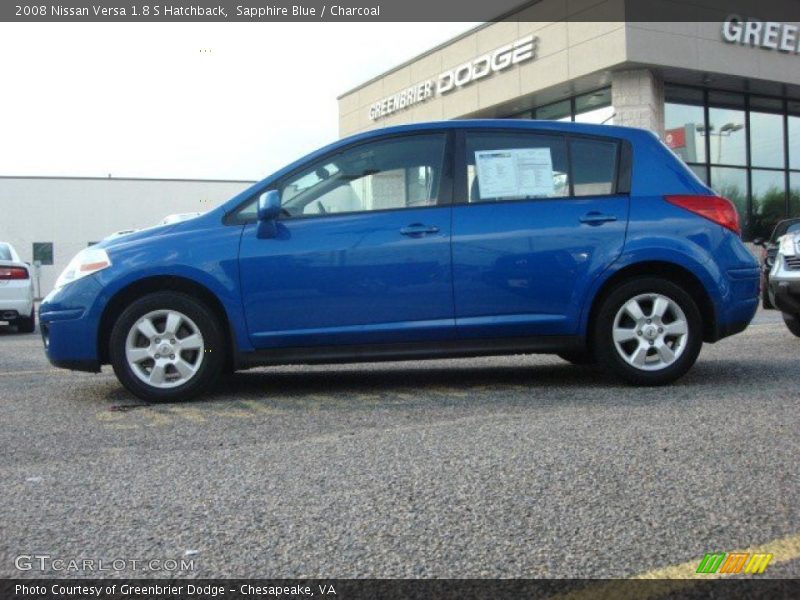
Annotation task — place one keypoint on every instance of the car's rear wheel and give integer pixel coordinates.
(792, 323)
(27, 324)
(648, 331)
(167, 346)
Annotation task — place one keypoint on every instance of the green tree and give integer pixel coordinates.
(768, 209)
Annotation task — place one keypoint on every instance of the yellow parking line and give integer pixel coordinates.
(681, 576)
(782, 549)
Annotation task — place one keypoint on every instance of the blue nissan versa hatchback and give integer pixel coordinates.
(459, 238)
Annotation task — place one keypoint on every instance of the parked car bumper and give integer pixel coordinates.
(10, 310)
(15, 302)
(785, 295)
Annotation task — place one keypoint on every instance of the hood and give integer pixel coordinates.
(203, 221)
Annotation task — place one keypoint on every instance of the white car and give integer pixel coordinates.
(784, 281)
(16, 290)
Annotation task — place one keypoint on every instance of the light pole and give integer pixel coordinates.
(724, 131)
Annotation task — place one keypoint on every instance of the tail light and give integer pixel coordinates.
(13, 273)
(714, 208)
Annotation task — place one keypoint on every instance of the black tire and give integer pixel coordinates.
(766, 303)
(578, 357)
(27, 324)
(605, 349)
(209, 363)
(792, 323)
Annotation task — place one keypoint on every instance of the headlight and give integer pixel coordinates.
(787, 245)
(86, 262)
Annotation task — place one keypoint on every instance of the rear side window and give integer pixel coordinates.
(5, 252)
(594, 166)
(516, 166)
(527, 166)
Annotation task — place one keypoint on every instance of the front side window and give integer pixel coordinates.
(388, 174)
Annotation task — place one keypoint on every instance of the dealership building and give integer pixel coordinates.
(723, 93)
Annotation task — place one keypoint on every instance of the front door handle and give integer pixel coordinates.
(418, 230)
(596, 218)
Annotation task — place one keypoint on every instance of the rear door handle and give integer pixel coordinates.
(596, 218)
(418, 229)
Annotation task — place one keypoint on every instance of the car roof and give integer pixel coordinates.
(521, 124)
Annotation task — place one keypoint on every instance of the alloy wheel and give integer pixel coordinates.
(650, 332)
(164, 348)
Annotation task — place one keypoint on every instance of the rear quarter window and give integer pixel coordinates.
(594, 166)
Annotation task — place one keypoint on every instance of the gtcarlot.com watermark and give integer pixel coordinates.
(47, 562)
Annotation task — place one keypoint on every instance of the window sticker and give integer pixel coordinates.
(515, 173)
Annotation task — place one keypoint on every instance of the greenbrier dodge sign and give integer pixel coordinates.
(524, 49)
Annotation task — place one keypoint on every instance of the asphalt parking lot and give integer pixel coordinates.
(503, 467)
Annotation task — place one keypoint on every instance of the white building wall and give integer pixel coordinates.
(70, 213)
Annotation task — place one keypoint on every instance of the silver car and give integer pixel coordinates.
(16, 290)
(784, 281)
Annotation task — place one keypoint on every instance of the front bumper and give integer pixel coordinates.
(785, 295)
(68, 323)
(784, 285)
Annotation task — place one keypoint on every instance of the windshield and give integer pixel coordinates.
(784, 227)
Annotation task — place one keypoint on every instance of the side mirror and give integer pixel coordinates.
(269, 205)
(759, 242)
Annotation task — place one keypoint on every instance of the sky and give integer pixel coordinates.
(187, 100)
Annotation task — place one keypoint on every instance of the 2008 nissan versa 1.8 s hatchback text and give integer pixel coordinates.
(459, 238)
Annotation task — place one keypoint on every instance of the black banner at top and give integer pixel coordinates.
(394, 10)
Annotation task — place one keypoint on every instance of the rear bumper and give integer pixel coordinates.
(741, 303)
(12, 309)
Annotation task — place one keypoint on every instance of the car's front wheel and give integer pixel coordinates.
(167, 346)
(792, 323)
(27, 324)
(766, 303)
(648, 331)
